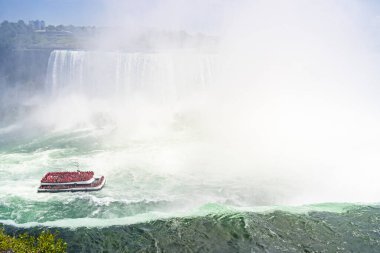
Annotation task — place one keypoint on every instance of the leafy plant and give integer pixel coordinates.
(46, 242)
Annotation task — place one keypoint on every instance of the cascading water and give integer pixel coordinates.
(109, 74)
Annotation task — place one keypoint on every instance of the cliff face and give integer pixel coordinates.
(22, 75)
(25, 68)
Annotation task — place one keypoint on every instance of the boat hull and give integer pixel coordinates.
(73, 188)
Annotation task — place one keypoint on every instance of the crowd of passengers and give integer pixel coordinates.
(64, 177)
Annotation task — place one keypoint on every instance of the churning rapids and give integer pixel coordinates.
(170, 151)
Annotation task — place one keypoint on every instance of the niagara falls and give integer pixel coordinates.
(210, 126)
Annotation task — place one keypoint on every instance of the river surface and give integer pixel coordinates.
(190, 166)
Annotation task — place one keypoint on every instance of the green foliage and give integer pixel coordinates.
(22, 36)
(14, 35)
(46, 242)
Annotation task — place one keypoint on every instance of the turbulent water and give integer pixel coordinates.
(145, 121)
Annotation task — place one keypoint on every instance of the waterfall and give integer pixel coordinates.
(114, 74)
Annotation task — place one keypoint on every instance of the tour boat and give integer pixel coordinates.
(71, 181)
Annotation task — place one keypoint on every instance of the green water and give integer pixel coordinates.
(153, 202)
(354, 229)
